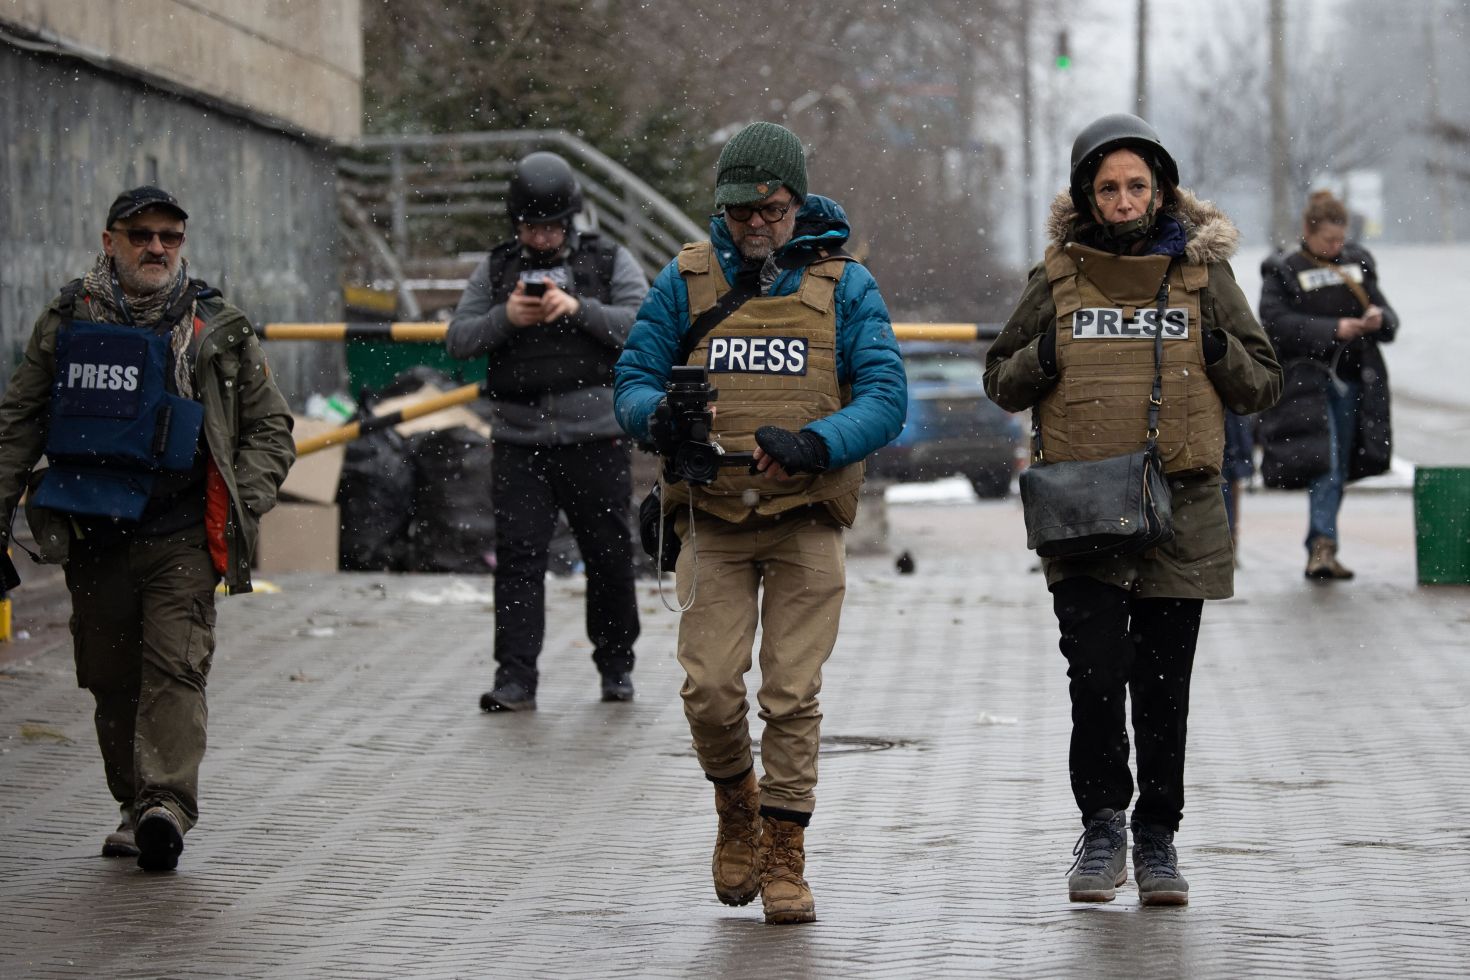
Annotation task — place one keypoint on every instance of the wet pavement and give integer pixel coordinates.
(362, 818)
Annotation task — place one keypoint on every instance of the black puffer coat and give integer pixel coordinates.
(1302, 325)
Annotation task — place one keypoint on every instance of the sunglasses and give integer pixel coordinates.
(140, 237)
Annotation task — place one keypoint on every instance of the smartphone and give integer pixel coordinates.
(536, 288)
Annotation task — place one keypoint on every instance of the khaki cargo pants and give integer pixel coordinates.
(787, 574)
(143, 633)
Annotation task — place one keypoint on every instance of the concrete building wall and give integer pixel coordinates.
(296, 63)
(263, 225)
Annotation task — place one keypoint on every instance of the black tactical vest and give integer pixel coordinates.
(552, 358)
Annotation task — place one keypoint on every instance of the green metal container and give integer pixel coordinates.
(374, 363)
(1442, 524)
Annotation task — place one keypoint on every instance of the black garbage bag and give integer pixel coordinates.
(373, 497)
(453, 523)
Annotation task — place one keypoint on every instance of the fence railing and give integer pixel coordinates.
(399, 190)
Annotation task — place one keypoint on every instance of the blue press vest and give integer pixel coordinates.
(114, 424)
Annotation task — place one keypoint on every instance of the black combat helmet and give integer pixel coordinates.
(543, 188)
(1118, 131)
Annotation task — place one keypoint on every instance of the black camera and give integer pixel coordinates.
(685, 415)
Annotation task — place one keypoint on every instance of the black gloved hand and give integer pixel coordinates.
(661, 429)
(797, 452)
(1216, 346)
(1046, 351)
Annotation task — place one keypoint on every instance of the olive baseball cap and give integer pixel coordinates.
(129, 203)
(757, 161)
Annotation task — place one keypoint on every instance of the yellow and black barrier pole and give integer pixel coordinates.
(433, 333)
(355, 430)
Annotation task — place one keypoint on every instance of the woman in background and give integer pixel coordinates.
(1322, 308)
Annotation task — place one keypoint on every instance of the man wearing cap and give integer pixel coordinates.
(797, 340)
(551, 307)
(166, 439)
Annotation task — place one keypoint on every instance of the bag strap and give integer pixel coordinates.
(745, 288)
(1156, 396)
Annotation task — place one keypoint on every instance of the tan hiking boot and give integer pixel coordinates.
(1322, 563)
(736, 863)
(787, 896)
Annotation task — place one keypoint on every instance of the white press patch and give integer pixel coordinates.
(758, 355)
(1107, 323)
(1311, 279)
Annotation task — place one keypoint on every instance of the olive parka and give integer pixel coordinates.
(247, 428)
(1199, 562)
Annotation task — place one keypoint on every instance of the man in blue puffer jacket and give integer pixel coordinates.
(797, 340)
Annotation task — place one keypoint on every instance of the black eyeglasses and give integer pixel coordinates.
(770, 213)
(140, 237)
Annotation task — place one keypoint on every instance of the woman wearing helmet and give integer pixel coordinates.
(1131, 254)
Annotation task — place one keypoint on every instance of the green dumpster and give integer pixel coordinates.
(1442, 524)
(374, 363)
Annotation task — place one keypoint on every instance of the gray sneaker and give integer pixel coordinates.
(1156, 868)
(1102, 859)
(120, 843)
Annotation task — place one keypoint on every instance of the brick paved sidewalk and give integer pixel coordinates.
(361, 817)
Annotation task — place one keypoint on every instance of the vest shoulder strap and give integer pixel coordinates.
(697, 265)
(819, 284)
(66, 300)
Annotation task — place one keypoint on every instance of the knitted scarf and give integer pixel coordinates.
(146, 311)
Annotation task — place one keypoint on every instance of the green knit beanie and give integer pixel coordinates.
(758, 160)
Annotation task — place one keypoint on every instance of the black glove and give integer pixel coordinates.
(797, 452)
(1046, 351)
(1216, 346)
(661, 429)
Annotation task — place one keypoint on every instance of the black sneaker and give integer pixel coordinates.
(160, 839)
(1156, 868)
(1102, 859)
(509, 696)
(617, 686)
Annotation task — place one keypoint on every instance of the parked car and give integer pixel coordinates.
(952, 427)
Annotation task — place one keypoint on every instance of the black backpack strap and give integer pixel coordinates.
(69, 295)
(193, 289)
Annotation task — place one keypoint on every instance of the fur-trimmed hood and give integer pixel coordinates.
(1210, 235)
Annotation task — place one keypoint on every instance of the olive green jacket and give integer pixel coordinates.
(1199, 562)
(247, 427)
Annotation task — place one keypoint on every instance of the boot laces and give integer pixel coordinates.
(1094, 848)
(1155, 850)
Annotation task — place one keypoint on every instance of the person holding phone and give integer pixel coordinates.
(552, 306)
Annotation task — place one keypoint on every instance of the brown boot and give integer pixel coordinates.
(1322, 562)
(787, 896)
(736, 863)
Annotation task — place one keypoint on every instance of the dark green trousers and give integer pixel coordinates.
(143, 630)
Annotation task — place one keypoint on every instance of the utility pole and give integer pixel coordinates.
(1282, 230)
(1140, 81)
(1028, 197)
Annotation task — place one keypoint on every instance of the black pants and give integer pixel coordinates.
(590, 482)
(1118, 644)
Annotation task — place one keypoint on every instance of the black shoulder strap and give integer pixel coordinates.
(70, 293)
(744, 289)
(193, 289)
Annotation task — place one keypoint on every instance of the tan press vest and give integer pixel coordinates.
(1106, 305)
(765, 379)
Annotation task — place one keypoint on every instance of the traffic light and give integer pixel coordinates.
(1064, 51)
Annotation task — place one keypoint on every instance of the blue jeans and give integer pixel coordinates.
(1324, 493)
